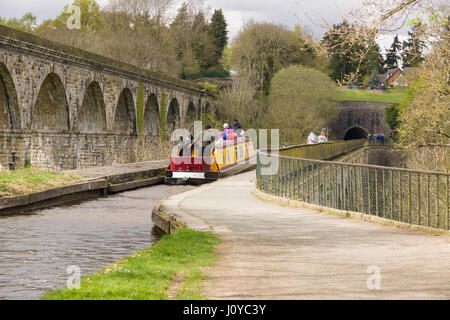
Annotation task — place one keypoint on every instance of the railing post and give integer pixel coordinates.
(361, 200)
(343, 193)
(369, 196)
(400, 190)
(376, 192)
(428, 200)
(335, 187)
(419, 200)
(448, 218)
(309, 184)
(329, 186)
(438, 215)
(298, 179)
(392, 195)
(409, 197)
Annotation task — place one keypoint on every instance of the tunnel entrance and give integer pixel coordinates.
(355, 134)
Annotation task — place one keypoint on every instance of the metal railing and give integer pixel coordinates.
(322, 151)
(410, 196)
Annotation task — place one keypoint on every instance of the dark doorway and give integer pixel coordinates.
(355, 134)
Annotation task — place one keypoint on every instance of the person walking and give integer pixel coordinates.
(322, 138)
(312, 139)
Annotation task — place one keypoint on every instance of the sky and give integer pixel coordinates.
(285, 12)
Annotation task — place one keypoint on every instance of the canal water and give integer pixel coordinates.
(37, 248)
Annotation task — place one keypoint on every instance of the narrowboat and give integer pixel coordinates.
(212, 161)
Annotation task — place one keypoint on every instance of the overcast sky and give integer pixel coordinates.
(286, 12)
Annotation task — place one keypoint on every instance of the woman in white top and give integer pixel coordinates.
(312, 139)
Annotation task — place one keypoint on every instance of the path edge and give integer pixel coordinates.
(347, 214)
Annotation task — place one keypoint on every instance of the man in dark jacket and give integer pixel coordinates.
(236, 125)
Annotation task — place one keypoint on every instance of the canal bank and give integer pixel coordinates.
(95, 182)
(270, 251)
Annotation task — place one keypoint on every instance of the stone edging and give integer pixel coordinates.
(32, 198)
(169, 216)
(81, 190)
(347, 214)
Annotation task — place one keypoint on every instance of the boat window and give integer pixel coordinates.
(241, 152)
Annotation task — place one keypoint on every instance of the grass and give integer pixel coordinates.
(393, 96)
(29, 180)
(148, 274)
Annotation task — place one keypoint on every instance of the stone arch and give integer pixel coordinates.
(9, 105)
(356, 133)
(173, 115)
(92, 113)
(51, 111)
(191, 116)
(125, 115)
(151, 116)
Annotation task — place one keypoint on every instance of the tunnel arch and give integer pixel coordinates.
(151, 116)
(9, 105)
(51, 111)
(92, 114)
(125, 116)
(356, 133)
(173, 116)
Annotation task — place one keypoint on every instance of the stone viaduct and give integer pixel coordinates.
(68, 108)
(357, 119)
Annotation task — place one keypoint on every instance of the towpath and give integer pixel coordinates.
(275, 252)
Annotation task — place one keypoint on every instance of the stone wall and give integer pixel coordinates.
(368, 116)
(62, 107)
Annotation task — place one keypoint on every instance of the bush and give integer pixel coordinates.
(300, 101)
(212, 89)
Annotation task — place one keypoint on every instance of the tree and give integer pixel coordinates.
(413, 48)
(393, 54)
(89, 19)
(351, 57)
(300, 101)
(219, 34)
(267, 48)
(425, 116)
(26, 23)
(191, 33)
(133, 31)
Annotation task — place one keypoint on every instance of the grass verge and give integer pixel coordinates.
(393, 96)
(148, 274)
(29, 180)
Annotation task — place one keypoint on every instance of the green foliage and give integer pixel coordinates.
(393, 54)
(90, 17)
(219, 34)
(148, 274)
(162, 119)
(413, 48)
(351, 53)
(392, 114)
(26, 23)
(266, 48)
(199, 43)
(211, 88)
(300, 101)
(209, 117)
(140, 108)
